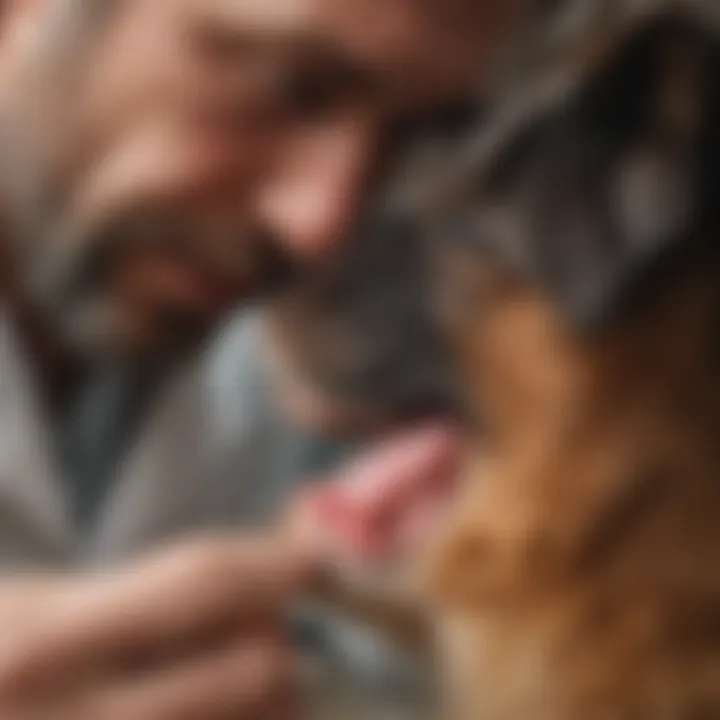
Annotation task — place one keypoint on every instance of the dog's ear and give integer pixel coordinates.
(623, 171)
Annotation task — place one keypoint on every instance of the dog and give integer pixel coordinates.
(566, 297)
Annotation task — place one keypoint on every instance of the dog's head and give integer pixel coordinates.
(356, 339)
(599, 170)
(595, 180)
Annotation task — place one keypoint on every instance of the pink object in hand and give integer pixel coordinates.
(387, 502)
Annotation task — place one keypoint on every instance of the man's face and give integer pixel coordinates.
(166, 159)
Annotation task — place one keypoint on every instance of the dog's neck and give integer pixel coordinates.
(585, 434)
(542, 383)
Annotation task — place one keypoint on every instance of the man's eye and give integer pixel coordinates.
(317, 89)
(311, 97)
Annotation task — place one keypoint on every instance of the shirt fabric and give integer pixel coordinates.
(133, 463)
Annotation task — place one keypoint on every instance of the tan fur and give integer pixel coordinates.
(578, 578)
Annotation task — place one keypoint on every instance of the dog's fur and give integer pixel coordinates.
(578, 236)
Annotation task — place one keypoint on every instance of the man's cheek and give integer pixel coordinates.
(158, 163)
(140, 62)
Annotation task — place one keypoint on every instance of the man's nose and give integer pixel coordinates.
(313, 192)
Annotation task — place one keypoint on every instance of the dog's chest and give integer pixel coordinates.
(497, 667)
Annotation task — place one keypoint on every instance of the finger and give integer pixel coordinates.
(239, 682)
(175, 598)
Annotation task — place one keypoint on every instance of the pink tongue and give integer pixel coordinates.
(386, 503)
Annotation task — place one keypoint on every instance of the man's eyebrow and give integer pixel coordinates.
(304, 51)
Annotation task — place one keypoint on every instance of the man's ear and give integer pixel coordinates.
(624, 171)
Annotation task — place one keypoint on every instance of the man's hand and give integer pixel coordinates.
(197, 632)
(371, 522)
(192, 634)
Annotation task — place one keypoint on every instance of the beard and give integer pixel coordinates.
(75, 278)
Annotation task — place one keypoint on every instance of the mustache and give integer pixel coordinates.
(251, 259)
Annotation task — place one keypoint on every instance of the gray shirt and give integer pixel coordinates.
(108, 414)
